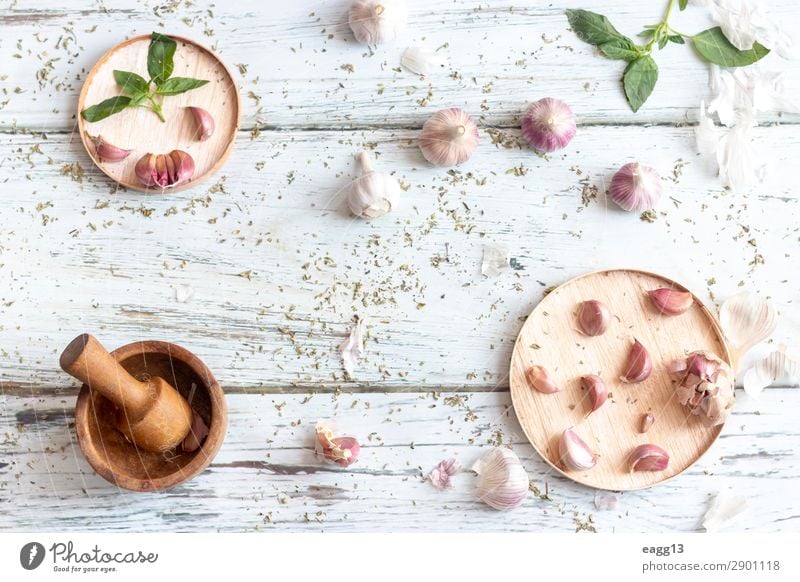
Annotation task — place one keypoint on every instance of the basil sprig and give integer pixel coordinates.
(640, 76)
(138, 91)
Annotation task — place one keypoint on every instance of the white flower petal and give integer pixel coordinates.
(352, 348)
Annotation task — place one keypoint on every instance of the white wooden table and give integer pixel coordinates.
(279, 270)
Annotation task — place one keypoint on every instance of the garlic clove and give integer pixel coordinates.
(448, 137)
(204, 122)
(648, 458)
(145, 170)
(184, 167)
(769, 369)
(598, 393)
(502, 480)
(540, 379)
(639, 365)
(440, 475)
(107, 152)
(421, 60)
(548, 124)
(704, 384)
(593, 317)
(165, 170)
(671, 301)
(197, 434)
(377, 21)
(373, 194)
(746, 320)
(635, 188)
(574, 453)
(646, 422)
(340, 450)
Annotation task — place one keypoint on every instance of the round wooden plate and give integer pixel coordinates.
(550, 338)
(142, 131)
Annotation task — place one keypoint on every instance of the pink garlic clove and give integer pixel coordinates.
(598, 393)
(107, 152)
(574, 453)
(671, 301)
(184, 167)
(639, 365)
(197, 434)
(204, 122)
(593, 317)
(165, 170)
(540, 379)
(648, 458)
(635, 188)
(341, 450)
(548, 124)
(646, 422)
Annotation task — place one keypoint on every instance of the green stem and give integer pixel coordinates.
(156, 108)
(663, 25)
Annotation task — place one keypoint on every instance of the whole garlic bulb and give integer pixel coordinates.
(377, 21)
(372, 194)
(548, 124)
(635, 187)
(503, 482)
(449, 137)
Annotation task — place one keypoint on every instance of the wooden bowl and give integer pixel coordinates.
(140, 129)
(550, 338)
(115, 458)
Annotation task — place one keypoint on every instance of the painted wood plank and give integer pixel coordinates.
(279, 270)
(266, 476)
(305, 69)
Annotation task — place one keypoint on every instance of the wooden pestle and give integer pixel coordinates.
(152, 414)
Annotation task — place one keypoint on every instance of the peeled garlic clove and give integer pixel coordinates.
(670, 301)
(769, 369)
(648, 458)
(377, 21)
(449, 137)
(575, 453)
(373, 194)
(639, 365)
(704, 384)
(204, 122)
(341, 450)
(503, 482)
(593, 317)
(598, 393)
(422, 61)
(540, 379)
(635, 188)
(197, 434)
(647, 421)
(107, 152)
(746, 320)
(548, 124)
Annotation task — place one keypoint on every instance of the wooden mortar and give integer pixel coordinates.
(102, 424)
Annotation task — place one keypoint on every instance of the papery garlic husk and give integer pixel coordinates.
(197, 434)
(747, 319)
(540, 379)
(440, 475)
(574, 453)
(769, 369)
(548, 124)
(165, 170)
(670, 301)
(704, 385)
(377, 21)
(502, 480)
(639, 364)
(593, 317)
(449, 137)
(598, 393)
(352, 348)
(204, 122)
(341, 450)
(373, 194)
(648, 458)
(635, 187)
(107, 152)
(647, 421)
(725, 508)
(421, 60)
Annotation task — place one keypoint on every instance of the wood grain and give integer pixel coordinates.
(141, 130)
(550, 338)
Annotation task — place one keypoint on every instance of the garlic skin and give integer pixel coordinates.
(574, 453)
(648, 458)
(670, 301)
(593, 318)
(352, 348)
(377, 21)
(635, 187)
(639, 365)
(440, 475)
(107, 152)
(747, 319)
(503, 482)
(204, 122)
(769, 369)
(340, 450)
(165, 170)
(548, 124)
(422, 61)
(448, 137)
(598, 393)
(705, 386)
(373, 194)
(540, 379)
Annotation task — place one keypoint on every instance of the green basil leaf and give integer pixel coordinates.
(106, 108)
(593, 28)
(677, 39)
(139, 98)
(131, 83)
(662, 42)
(639, 80)
(160, 57)
(715, 48)
(178, 85)
(682, 4)
(621, 51)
